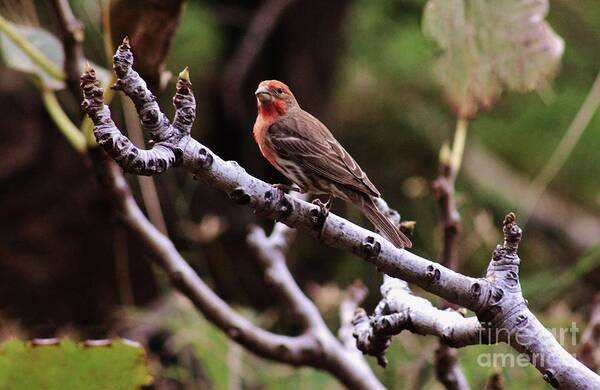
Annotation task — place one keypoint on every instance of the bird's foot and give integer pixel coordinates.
(323, 212)
(288, 188)
(325, 207)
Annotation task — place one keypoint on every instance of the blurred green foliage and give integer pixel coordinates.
(71, 365)
(410, 356)
(388, 109)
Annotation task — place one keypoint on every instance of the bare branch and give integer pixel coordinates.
(496, 299)
(316, 346)
(354, 295)
(72, 34)
(443, 189)
(292, 350)
(269, 251)
(401, 310)
(350, 369)
(447, 369)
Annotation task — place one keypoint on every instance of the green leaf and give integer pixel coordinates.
(35, 51)
(490, 45)
(38, 52)
(67, 365)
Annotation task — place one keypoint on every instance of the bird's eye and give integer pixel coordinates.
(279, 91)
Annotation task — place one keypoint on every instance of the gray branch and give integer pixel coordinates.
(496, 299)
(353, 297)
(315, 347)
(351, 369)
(400, 310)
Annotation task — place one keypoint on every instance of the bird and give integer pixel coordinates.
(304, 150)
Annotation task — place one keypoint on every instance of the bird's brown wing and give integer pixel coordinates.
(306, 141)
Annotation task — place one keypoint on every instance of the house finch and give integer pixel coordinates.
(304, 150)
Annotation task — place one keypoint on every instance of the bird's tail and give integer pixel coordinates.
(384, 224)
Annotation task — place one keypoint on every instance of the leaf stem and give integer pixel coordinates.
(62, 121)
(458, 145)
(34, 54)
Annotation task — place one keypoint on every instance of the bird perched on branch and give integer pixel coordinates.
(304, 150)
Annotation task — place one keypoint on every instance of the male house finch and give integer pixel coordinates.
(304, 150)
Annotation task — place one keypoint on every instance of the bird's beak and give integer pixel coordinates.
(263, 94)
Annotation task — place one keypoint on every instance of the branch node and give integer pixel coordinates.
(433, 274)
(475, 289)
(512, 232)
(551, 379)
(240, 196)
(204, 159)
(123, 59)
(368, 342)
(497, 295)
(371, 248)
(284, 208)
(317, 218)
(521, 320)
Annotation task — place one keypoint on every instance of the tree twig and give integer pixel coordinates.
(353, 297)
(447, 369)
(496, 299)
(72, 38)
(350, 369)
(400, 310)
(148, 190)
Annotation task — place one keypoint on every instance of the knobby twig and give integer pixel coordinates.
(447, 369)
(72, 38)
(354, 296)
(496, 299)
(316, 347)
(147, 186)
(444, 192)
(588, 350)
(351, 369)
(401, 310)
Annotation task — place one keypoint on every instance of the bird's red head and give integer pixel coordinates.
(274, 98)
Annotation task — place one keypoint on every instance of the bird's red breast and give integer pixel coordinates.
(270, 110)
(261, 126)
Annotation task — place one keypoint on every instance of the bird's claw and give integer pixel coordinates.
(321, 215)
(324, 207)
